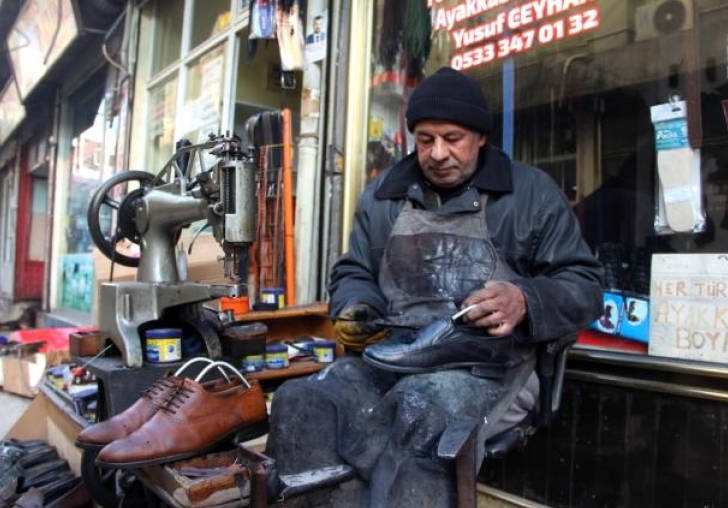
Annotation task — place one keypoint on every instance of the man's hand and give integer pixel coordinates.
(354, 327)
(500, 307)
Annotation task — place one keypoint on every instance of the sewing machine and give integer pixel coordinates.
(212, 181)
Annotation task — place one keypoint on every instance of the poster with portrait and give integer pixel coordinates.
(636, 318)
(611, 317)
(316, 38)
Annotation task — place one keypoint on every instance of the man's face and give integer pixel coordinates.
(447, 152)
(317, 25)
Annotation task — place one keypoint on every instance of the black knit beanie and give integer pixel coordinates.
(452, 96)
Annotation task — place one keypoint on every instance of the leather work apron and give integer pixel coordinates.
(432, 262)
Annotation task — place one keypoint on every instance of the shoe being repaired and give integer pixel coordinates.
(447, 343)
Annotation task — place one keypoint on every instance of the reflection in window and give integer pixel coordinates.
(162, 102)
(93, 159)
(203, 100)
(8, 196)
(167, 34)
(38, 220)
(210, 18)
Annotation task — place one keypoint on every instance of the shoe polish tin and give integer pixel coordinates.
(253, 363)
(324, 351)
(164, 345)
(273, 296)
(276, 356)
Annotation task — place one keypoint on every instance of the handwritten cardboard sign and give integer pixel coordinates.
(689, 306)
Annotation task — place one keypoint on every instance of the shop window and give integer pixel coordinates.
(581, 87)
(162, 113)
(92, 149)
(8, 226)
(167, 44)
(257, 81)
(210, 18)
(38, 220)
(86, 172)
(203, 99)
(8, 221)
(192, 90)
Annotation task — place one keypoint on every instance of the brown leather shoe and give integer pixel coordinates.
(100, 434)
(192, 422)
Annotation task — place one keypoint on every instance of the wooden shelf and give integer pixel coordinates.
(293, 322)
(319, 310)
(295, 369)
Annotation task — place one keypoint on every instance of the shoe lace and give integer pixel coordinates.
(177, 399)
(158, 387)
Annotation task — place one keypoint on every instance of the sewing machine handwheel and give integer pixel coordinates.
(124, 224)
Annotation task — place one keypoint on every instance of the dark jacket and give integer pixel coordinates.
(531, 225)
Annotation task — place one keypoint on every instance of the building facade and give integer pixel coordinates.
(54, 72)
(623, 102)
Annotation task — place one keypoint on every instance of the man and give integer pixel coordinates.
(318, 34)
(456, 225)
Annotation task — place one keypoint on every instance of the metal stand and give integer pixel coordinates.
(125, 306)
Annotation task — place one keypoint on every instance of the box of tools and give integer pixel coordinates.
(236, 477)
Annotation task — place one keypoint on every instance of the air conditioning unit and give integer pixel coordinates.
(663, 17)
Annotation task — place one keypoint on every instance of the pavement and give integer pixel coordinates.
(13, 406)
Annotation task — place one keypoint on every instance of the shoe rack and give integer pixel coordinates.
(292, 323)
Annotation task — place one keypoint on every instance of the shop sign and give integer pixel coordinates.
(40, 34)
(689, 306)
(485, 31)
(12, 111)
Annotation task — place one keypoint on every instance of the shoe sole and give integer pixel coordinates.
(418, 370)
(248, 430)
(90, 446)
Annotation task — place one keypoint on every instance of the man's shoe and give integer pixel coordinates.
(193, 421)
(33, 498)
(42, 474)
(100, 434)
(38, 456)
(442, 345)
(66, 493)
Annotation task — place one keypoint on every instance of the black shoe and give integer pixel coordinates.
(42, 474)
(12, 450)
(33, 498)
(66, 492)
(38, 456)
(444, 345)
(25, 445)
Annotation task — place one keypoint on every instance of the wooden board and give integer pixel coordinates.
(689, 306)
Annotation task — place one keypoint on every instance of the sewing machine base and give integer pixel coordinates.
(128, 308)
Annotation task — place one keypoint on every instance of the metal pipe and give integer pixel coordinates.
(290, 265)
(645, 385)
(649, 362)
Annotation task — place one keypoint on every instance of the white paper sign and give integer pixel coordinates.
(689, 306)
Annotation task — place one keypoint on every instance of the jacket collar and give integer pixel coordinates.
(492, 176)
